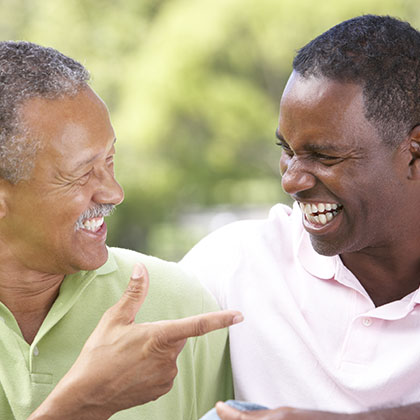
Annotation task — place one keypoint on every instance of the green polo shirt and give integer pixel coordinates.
(28, 373)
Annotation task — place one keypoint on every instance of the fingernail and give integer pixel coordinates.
(137, 271)
(237, 319)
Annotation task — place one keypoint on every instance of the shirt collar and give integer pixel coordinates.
(329, 268)
(315, 264)
(109, 266)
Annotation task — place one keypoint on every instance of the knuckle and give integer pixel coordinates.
(109, 315)
(160, 338)
(202, 326)
(172, 372)
(134, 288)
(163, 389)
(168, 386)
(112, 315)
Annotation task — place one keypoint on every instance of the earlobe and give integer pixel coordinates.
(414, 170)
(3, 198)
(414, 148)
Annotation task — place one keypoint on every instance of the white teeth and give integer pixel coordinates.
(320, 213)
(323, 218)
(93, 225)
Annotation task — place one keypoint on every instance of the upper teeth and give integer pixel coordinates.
(93, 224)
(320, 213)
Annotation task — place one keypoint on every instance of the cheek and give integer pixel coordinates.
(283, 163)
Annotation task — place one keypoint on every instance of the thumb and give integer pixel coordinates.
(225, 412)
(134, 295)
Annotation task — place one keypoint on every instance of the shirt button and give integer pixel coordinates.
(36, 351)
(367, 322)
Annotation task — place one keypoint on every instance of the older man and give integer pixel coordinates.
(58, 280)
(330, 289)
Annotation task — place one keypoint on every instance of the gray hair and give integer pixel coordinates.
(27, 71)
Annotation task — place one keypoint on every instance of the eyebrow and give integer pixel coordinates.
(89, 160)
(315, 148)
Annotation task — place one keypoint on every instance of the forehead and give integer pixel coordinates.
(69, 128)
(320, 108)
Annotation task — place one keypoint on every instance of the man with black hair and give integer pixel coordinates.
(330, 288)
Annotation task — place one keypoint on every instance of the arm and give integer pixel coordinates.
(408, 412)
(213, 371)
(124, 364)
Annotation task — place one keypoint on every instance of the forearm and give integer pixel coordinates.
(408, 412)
(68, 402)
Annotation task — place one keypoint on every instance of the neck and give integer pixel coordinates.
(387, 274)
(28, 294)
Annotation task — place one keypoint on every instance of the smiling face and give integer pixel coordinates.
(52, 222)
(352, 188)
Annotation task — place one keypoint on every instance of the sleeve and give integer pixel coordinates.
(213, 372)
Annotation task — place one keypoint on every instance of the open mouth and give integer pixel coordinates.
(320, 213)
(92, 225)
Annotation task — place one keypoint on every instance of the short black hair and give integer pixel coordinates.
(380, 53)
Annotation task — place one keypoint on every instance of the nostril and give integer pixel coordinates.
(297, 181)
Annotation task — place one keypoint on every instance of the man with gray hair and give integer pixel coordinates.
(73, 342)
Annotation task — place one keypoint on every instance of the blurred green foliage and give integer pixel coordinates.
(193, 88)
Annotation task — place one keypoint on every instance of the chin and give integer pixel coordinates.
(324, 248)
(92, 261)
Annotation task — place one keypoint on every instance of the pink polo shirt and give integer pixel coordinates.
(312, 337)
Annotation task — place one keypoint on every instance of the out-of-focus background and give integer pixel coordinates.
(193, 87)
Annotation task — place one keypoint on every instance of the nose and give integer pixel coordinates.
(109, 191)
(295, 177)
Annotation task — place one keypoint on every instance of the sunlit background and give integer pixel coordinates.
(193, 88)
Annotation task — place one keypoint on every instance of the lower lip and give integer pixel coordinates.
(320, 229)
(100, 234)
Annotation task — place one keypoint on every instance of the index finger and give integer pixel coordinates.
(196, 325)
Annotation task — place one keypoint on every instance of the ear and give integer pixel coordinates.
(4, 192)
(414, 148)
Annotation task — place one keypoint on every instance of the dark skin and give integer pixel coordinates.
(396, 266)
(332, 154)
(226, 412)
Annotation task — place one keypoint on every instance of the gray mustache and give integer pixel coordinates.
(100, 210)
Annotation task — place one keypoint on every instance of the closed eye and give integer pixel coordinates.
(84, 178)
(326, 159)
(286, 148)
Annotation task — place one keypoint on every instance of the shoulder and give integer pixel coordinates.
(158, 268)
(279, 223)
(217, 258)
(282, 226)
(176, 292)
